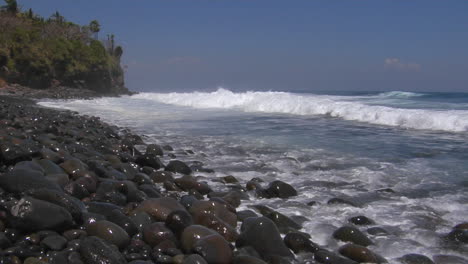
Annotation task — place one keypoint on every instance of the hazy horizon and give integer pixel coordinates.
(302, 45)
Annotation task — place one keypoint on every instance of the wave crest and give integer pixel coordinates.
(301, 104)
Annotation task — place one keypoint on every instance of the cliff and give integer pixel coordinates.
(43, 53)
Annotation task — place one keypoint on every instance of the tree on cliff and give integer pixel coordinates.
(94, 27)
(36, 52)
(11, 7)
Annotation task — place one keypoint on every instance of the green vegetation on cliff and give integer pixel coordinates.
(42, 53)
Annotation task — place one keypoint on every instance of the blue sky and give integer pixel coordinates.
(312, 45)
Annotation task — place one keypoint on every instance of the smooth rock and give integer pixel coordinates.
(156, 233)
(281, 189)
(263, 235)
(214, 249)
(360, 254)
(94, 250)
(160, 208)
(20, 180)
(352, 234)
(32, 214)
(178, 166)
(194, 259)
(74, 206)
(327, 257)
(415, 259)
(247, 260)
(110, 232)
(192, 234)
(178, 220)
(299, 242)
(54, 242)
(361, 220)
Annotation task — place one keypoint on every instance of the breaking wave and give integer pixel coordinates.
(311, 105)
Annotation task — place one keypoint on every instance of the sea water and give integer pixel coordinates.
(347, 145)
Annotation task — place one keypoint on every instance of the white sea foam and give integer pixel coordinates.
(399, 94)
(308, 104)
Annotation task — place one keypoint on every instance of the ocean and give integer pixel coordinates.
(402, 157)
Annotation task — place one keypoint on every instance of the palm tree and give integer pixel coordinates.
(95, 28)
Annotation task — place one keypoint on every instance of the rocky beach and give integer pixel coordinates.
(75, 190)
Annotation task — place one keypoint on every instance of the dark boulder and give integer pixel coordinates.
(21, 180)
(281, 190)
(360, 254)
(178, 166)
(32, 215)
(352, 234)
(299, 242)
(263, 235)
(94, 250)
(415, 259)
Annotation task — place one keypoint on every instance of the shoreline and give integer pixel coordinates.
(125, 206)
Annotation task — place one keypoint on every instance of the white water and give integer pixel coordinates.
(312, 105)
(321, 157)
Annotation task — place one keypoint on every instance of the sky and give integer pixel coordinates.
(282, 45)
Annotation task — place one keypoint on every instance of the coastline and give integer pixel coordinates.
(152, 210)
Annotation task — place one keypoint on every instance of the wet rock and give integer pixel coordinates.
(280, 189)
(194, 259)
(352, 234)
(60, 179)
(230, 179)
(187, 183)
(415, 259)
(33, 214)
(360, 254)
(312, 203)
(192, 234)
(327, 257)
(20, 180)
(50, 167)
(161, 176)
(54, 242)
(73, 234)
(94, 250)
(214, 249)
(299, 242)
(154, 149)
(150, 191)
(140, 219)
(242, 215)
(160, 208)
(458, 236)
(120, 219)
(361, 220)
(178, 220)
(110, 232)
(74, 206)
(74, 167)
(263, 235)
(149, 160)
(178, 166)
(188, 200)
(247, 260)
(216, 216)
(284, 223)
(156, 233)
(4, 241)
